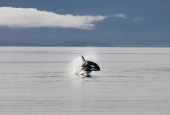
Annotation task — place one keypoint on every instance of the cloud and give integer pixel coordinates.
(138, 18)
(31, 17)
(120, 15)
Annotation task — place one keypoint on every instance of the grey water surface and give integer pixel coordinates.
(132, 81)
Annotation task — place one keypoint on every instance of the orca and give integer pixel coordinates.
(89, 66)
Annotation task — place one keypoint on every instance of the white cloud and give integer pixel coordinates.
(31, 17)
(138, 18)
(120, 15)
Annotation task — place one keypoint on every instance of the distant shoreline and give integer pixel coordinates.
(80, 46)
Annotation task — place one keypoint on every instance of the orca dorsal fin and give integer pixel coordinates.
(83, 58)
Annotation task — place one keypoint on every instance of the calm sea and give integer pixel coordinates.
(39, 81)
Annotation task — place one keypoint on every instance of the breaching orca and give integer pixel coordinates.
(89, 66)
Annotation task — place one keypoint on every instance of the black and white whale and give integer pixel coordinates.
(89, 66)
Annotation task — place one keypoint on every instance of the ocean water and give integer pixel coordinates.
(42, 81)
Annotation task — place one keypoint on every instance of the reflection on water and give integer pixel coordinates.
(35, 80)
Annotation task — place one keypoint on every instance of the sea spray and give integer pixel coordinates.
(75, 66)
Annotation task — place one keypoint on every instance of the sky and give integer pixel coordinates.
(84, 23)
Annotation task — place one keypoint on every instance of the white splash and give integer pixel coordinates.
(75, 66)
